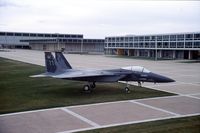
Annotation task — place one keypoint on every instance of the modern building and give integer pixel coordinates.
(159, 46)
(164, 46)
(52, 42)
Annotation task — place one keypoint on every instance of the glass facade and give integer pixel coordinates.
(165, 41)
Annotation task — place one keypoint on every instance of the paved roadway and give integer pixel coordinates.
(92, 116)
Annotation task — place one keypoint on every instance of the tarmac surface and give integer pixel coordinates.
(100, 115)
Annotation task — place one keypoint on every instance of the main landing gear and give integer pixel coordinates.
(127, 90)
(89, 87)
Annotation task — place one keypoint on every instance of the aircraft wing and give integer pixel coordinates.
(94, 75)
(83, 73)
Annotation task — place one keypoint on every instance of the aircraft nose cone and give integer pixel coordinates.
(161, 79)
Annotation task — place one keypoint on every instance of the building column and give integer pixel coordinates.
(174, 54)
(189, 55)
(128, 52)
(160, 54)
(148, 53)
(138, 53)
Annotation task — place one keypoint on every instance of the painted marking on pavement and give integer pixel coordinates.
(81, 117)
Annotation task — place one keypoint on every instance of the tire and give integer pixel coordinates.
(127, 90)
(86, 88)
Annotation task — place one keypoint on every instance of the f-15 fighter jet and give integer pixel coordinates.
(60, 68)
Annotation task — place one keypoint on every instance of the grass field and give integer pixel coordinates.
(19, 92)
(178, 125)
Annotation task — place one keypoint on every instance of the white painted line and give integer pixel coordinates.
(155, 108)
(96, 104)
(154, 88)
(191, 96)
(152, 98)
(127, 123)
(81, 117)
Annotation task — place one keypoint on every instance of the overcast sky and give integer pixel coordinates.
(99, 18)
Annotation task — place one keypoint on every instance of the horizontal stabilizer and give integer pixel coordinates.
(39, 76)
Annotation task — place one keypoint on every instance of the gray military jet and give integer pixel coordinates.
(60, 68)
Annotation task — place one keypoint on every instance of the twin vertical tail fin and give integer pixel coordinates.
(56, 65)
(62, 61)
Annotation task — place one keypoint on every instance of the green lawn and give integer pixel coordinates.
(178, 125)
(19, 92)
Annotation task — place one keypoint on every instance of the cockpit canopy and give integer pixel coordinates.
(136, 69)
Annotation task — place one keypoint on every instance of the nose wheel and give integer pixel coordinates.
(127, 90)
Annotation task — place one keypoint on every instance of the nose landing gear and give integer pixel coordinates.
(127, 90)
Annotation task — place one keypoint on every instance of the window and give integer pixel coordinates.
(2, 33)
(159, 45)
(152, 38)
(136, 38)
(188, 36)
(147, 38)
(10, 34)
(113, 44)
(126, 39)
(79, 36)
(165, 45)
(141, 38)
(117, 39)
(197, 36)
(18, 34)
(152, 45)
(54, 35)
(136, 45)
(180, 37)
(61, 35)
(165, 38)
(159, 38)
(40, 35)
(180, 45)
(67, 36)
(130, 44)
(130, 39)
(121, 39)
(47, 35)
(32, 35)
(140, 45)
(25, 34)
(146, 45)
(70, 40)
(188, 44)
(73, 36)
(172, 44)
(172, 37)
(196, 44)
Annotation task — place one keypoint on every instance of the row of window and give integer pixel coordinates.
(153, 38)
(39, 35)
(159, 45)
(64, 40)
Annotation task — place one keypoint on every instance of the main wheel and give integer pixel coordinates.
(86, 88)
(127, 90)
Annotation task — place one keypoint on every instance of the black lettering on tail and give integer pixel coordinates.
(50, 62)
